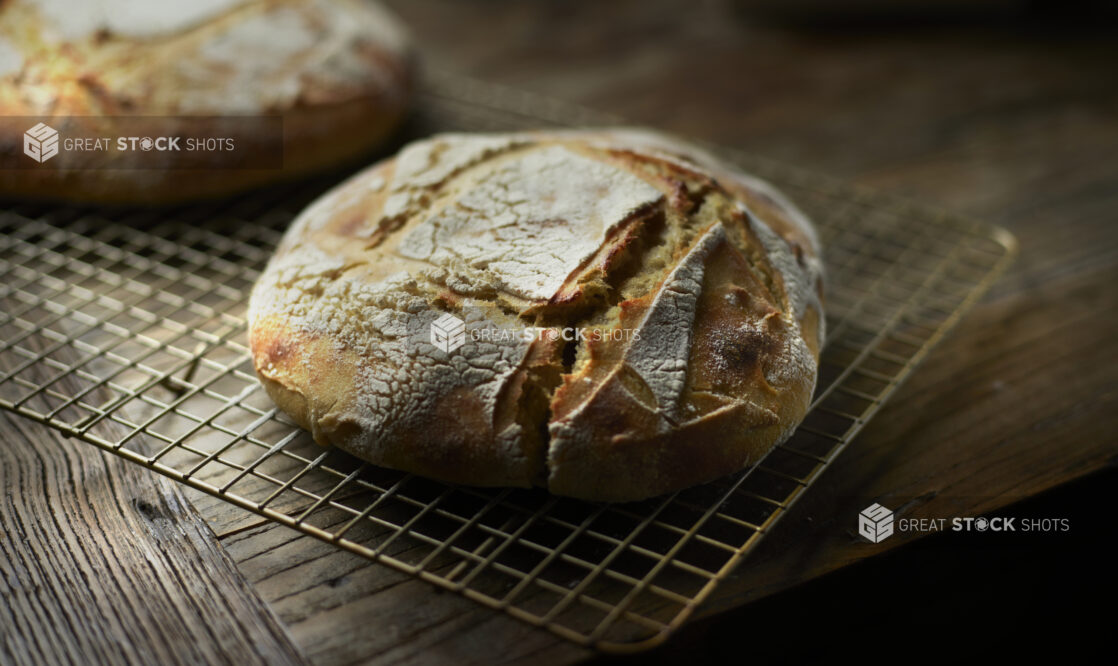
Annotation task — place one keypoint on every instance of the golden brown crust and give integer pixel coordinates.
(453, 440)
(618, 236)
(338, 73)
(312, 382)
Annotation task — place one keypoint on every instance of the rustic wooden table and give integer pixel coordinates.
(1010, 119)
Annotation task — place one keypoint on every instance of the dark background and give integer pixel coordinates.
(955, 597)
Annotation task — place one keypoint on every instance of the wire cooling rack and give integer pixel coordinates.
(126, 329)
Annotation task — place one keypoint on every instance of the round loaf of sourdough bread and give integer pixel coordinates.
(338, 72)
(611, 315)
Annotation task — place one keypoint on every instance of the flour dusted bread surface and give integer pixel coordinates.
(698, 288)
(338, 71)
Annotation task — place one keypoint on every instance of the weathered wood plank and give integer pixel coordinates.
(344, 609)
(1019, 129)
(104, 562)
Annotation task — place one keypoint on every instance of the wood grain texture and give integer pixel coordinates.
(104, 562)
(343, 609)
(1014, 121)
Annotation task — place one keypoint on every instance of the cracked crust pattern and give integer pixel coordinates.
(338, 71)
(712, 277)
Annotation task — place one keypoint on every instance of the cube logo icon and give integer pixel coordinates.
(448, 333)
(875, 523)
(40, 143)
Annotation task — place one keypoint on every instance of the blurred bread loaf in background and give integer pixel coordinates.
(338, 72)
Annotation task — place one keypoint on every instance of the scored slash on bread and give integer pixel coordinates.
(715, 273)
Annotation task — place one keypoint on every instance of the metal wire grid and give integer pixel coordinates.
(126, 330)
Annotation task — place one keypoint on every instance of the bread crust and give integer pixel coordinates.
(339, 73)
(714, 278)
